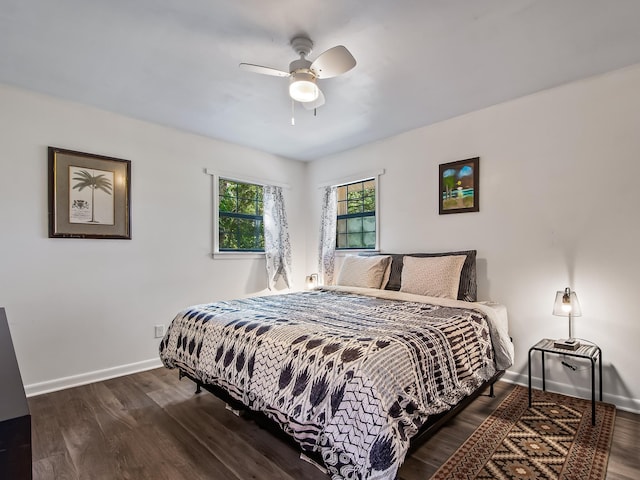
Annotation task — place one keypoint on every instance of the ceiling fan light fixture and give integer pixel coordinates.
(303, 87)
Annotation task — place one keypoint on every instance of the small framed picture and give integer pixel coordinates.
(459, 188)
(89, 195)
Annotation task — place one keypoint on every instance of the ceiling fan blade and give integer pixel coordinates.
(263, 70)
(318, 102)
(333, 62)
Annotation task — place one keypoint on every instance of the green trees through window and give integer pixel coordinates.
(240, 210)
(356, 227)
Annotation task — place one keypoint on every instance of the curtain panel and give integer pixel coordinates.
(277, 247)
(327, 254)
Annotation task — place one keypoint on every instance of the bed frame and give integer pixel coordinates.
(430, 427)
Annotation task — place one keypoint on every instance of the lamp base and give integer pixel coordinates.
(567, 344)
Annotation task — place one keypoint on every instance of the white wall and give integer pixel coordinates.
(83, 309)
(559, 181)
(558, 171)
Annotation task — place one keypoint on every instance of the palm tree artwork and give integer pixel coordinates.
(99, 183)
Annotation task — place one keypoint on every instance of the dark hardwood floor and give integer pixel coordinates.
(152, 426)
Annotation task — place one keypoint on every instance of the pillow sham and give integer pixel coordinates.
(367, 272)
(432, 276)
(467, 290)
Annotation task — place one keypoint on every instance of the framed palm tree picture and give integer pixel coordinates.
(89, 195)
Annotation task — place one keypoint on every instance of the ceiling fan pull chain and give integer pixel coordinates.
(293, 119)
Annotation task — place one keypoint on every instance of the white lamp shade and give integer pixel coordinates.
(303, 87)
(567, 304)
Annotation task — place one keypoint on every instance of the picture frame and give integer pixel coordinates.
(459, 186)
(89, 195)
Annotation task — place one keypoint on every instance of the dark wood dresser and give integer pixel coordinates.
(15, 419)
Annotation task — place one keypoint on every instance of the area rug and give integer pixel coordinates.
(554, 439)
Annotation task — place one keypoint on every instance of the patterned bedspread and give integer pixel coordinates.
(349, 375)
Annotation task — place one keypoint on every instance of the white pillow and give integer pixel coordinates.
(367, 272)
(432, 276)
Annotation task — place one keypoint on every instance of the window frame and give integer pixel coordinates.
(244, 216)
(367, 176)
(362, 215)
(215, 227)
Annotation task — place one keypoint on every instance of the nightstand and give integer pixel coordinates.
(587, 350)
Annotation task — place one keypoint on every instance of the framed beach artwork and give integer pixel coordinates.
(89, 195)
(459, 189)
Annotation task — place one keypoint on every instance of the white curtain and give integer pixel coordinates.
(328, 236)
(277, 247)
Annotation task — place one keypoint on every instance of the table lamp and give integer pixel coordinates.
(311, 281)
(567, 305)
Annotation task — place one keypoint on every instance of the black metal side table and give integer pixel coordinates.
(588, 350)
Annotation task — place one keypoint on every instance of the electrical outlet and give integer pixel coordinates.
(159, 331)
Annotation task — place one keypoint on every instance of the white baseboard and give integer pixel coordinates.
(623, 403)
(90, 377)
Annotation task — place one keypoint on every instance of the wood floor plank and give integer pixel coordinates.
(48, 433)
(152, 426)
(139, 419)
(86, 444)
(57, 466)
(271, 447)
(224, 444)
(624, 459)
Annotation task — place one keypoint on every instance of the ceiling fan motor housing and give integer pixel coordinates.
(302, 46)
(300, 65)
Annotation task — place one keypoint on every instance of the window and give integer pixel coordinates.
(356, 221)
(240, 210)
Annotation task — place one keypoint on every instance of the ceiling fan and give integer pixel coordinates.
(303, 73)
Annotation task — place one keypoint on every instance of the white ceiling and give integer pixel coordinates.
(175, 62)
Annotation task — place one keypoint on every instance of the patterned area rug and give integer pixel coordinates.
(554, 439)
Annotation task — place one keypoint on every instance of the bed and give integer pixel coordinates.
(351, 372)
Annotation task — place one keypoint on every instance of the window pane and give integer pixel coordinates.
(355, 206)
(341, 193)
(369, 240)
(245, 190)
(227, 240)
(369, 224)
(355, 187)
(354, 225)
(227, 203)
(342, 226)
(227, 187)
(369, 203)
(226, 224)
(241, 234)
(342, 208)
(248, 206)
(355, 194)
(228, 230)
(342, 240)
(355, 240)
